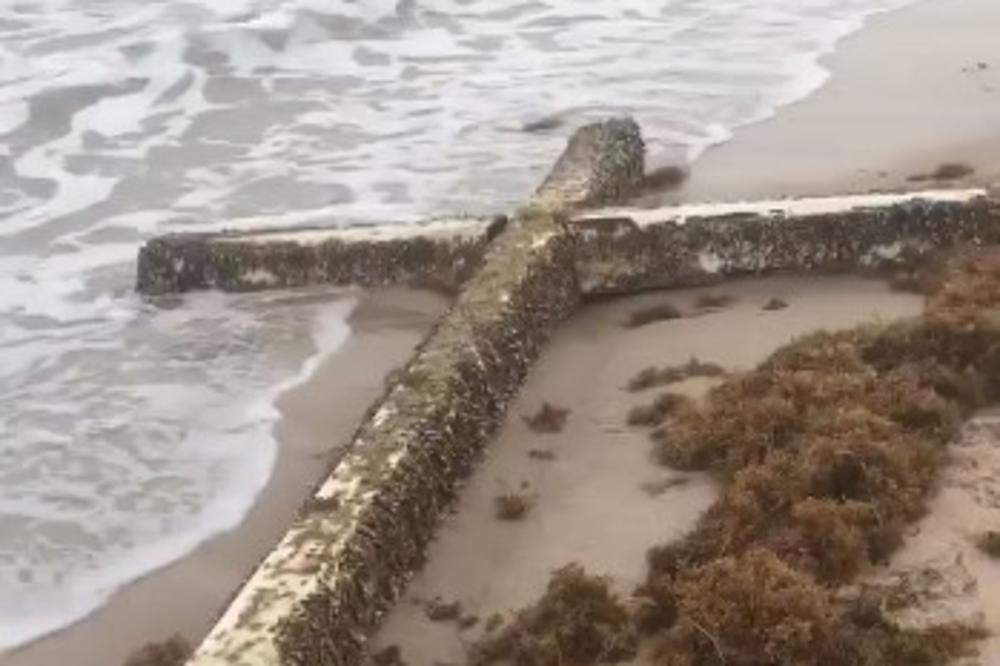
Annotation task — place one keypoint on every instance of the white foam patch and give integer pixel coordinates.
(142, 470)
(121, 120)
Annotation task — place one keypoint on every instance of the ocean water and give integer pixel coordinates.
(129, 431)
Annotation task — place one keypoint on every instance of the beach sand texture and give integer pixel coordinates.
(915, 88)
(602, 501)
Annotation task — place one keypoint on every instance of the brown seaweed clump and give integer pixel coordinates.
(512, 506)
(653, 414)
(989, 543)
(389, 656)
(920, 276)
(945, 171)
(657, 488)
(672, 374)
(578, 621)
(653, 314)
(493, 622)
(549, 419)
(440, 610)
(775, 304)
(750, 611)
(828, 451)
(756, 610)
(542, 455)
(713, 301)
(174, 651)
(664, 178)
(968, 284)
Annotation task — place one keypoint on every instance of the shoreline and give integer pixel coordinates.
(905, 93)
(186, 596)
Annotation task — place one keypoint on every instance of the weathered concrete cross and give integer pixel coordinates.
(319, 594)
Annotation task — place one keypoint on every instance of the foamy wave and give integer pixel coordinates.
(129, 434)
(130, 456)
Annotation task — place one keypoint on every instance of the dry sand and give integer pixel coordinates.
(914, 88)
(594, 503)
(318, 419)
(952, 579)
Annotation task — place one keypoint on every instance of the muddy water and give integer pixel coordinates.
(602, 501)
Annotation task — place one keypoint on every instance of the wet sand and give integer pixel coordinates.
(602, 501)
(914, 88)
(317, 421)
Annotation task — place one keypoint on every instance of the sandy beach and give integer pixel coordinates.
(601, 469)
(915, 88)
(317, 420)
